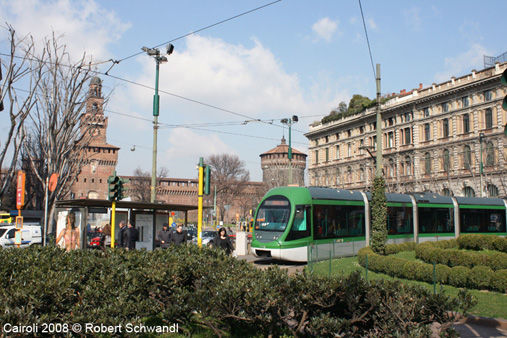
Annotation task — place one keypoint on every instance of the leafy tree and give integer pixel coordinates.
(379, 215)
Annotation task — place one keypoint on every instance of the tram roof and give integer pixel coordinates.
(334, 194)
(429, 197)
(479, 201)
(392, 197)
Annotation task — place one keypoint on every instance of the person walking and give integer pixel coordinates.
(164, 236)
(223, 241)
(132, 237)
(179, 236)
(122, 235)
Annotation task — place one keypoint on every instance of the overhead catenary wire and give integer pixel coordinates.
(367, 41)
(202, 29)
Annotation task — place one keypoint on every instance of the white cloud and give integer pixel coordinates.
(412, 18)
(325, 28)
(82, 24)
(463, 63)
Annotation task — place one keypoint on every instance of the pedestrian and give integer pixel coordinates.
(223, 241)
(122, 235)
(179, 236)
(105, 238)
(132, 237)
(164, 236)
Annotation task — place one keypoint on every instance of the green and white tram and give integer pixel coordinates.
(336, 222)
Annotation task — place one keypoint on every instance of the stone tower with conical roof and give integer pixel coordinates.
(275, 166)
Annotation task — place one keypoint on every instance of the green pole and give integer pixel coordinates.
(366, 268)
(434, 278)
(156, 100)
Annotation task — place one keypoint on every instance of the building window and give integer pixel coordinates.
(374, 141)
(327, 139)
(490, 154)
(488, 96)
(316, 157)
(492, 190)
(408, 166)
(390, 139)
(468, 192)
(361, 130)
(427, 163)
(467, 157)
(426, 131)
(337, 136)
(466, 123)
(361, 175)
(445, 128)
(349, 175)
(337, 176)
(445, 107)
(349, 150)
(327, 154)
(426, 112)
(446, 192)
(489, 118)
(390, 122)
(408, 136)
(349, 133)
(447, 160)
(337, 152)
(391, 168)
(465, 101)
(408, 117)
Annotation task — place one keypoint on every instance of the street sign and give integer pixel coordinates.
(20, 191)
(53, 181)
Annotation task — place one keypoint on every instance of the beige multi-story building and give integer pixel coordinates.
(433, 139)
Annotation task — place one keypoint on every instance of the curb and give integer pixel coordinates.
(484, 321)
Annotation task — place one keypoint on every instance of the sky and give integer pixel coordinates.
(228, 83)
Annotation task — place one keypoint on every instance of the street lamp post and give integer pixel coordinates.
(481, 165)
(290, 122)
(155, 53)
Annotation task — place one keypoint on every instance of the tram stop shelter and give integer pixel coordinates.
(93, 214)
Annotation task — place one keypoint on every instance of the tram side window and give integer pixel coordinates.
(300, 228)
(482, 220)
(336, 221)
(399, 220)
(436, 220)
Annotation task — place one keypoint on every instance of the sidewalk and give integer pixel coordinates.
(469, 327)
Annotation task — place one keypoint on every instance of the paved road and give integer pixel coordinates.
(470, 327)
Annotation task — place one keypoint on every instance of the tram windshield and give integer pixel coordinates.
(273, 214)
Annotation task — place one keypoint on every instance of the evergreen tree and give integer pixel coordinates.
(379, 216)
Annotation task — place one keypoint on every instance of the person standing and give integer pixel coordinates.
(164, 236)
(122, 235)
(179, 236)
(223, 241)
(132, 236)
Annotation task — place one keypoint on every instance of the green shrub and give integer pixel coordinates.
(480, 277)
(442, 273)
(204, 288)
(458, 276)
(409, 269)
(500, 244)
(395, 266)
(499, 281)
(391, 249)
(498, 261)
(424, 273)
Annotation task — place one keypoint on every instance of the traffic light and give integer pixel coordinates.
(113, 187)
(503, 81)
(207, 179)
(122, 191)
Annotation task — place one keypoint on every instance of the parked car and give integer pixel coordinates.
(30, 235)
(207, 237)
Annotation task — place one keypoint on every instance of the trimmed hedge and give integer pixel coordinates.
(452, 267)
(204, 288)
(482, 242)
(441, 252)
